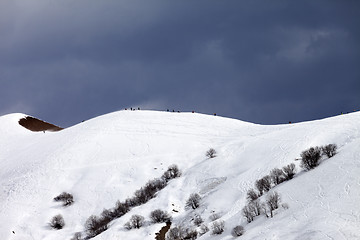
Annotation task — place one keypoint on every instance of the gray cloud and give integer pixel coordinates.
(258, 61)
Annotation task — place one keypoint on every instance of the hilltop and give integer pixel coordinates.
(108, 158)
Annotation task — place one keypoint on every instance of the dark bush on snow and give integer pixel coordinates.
(159, 216)
(172, 172)
(211, 153)
(329, 150)
(57, 222)
(193, 202)
(96, 225)
(277, 176)
(263, 184)
(136, 221)
(289, 171)
(310, 158)
(217, 227)
(66, 198)
(237, 231)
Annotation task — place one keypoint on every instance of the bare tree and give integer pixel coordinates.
(57, 222)
(310, 158)
(172, 172)
(263, 184)
(198, 220)
(159, 216)
(289, 171)
(277, 176)
(237, 231)
(273, 201)
(218, 227)
(211, 153)
(96, 225)
(121, 209)
(247, 212)
(329, 150)
(193, 201)
(255, 207)
(203, 229)
(136, 221)
(175, 233)
(252, 195)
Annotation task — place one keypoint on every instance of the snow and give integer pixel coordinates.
(107, 158)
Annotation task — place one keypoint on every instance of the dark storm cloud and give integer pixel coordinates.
(260, 61)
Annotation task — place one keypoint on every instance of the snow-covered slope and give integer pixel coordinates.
(107, 158)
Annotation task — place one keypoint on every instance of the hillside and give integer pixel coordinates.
(105, 159)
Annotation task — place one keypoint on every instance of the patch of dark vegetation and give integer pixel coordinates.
(36, 125)
(66, 198)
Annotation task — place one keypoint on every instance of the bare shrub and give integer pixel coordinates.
(107, 214)
(214, 216)
(172, 172)
(203, 229)
(237, 231)
(57, 222)
(329, 150)
(131, 202)
(310, 158)
(285, 206)
(252, 195)
(121, 209)
(255, 207)
(273, 201)
(66, 198)
(77, 236)
(190, 234)
(198, 220)
(248, 213)
(289, 171)
(211, 153)
(175, 233)
(159, 216)
(263, 184)
(136, 221)
(217, 227)
(277, 176)
(180, 233)
(96, 225)
(193, 202)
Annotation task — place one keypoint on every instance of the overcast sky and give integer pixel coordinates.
(266, 62)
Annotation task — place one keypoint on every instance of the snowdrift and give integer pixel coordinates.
(107, 158)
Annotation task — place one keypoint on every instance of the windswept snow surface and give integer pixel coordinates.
(107, 158)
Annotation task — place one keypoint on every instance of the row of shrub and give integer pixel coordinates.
(94, 225)
(310, 158)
